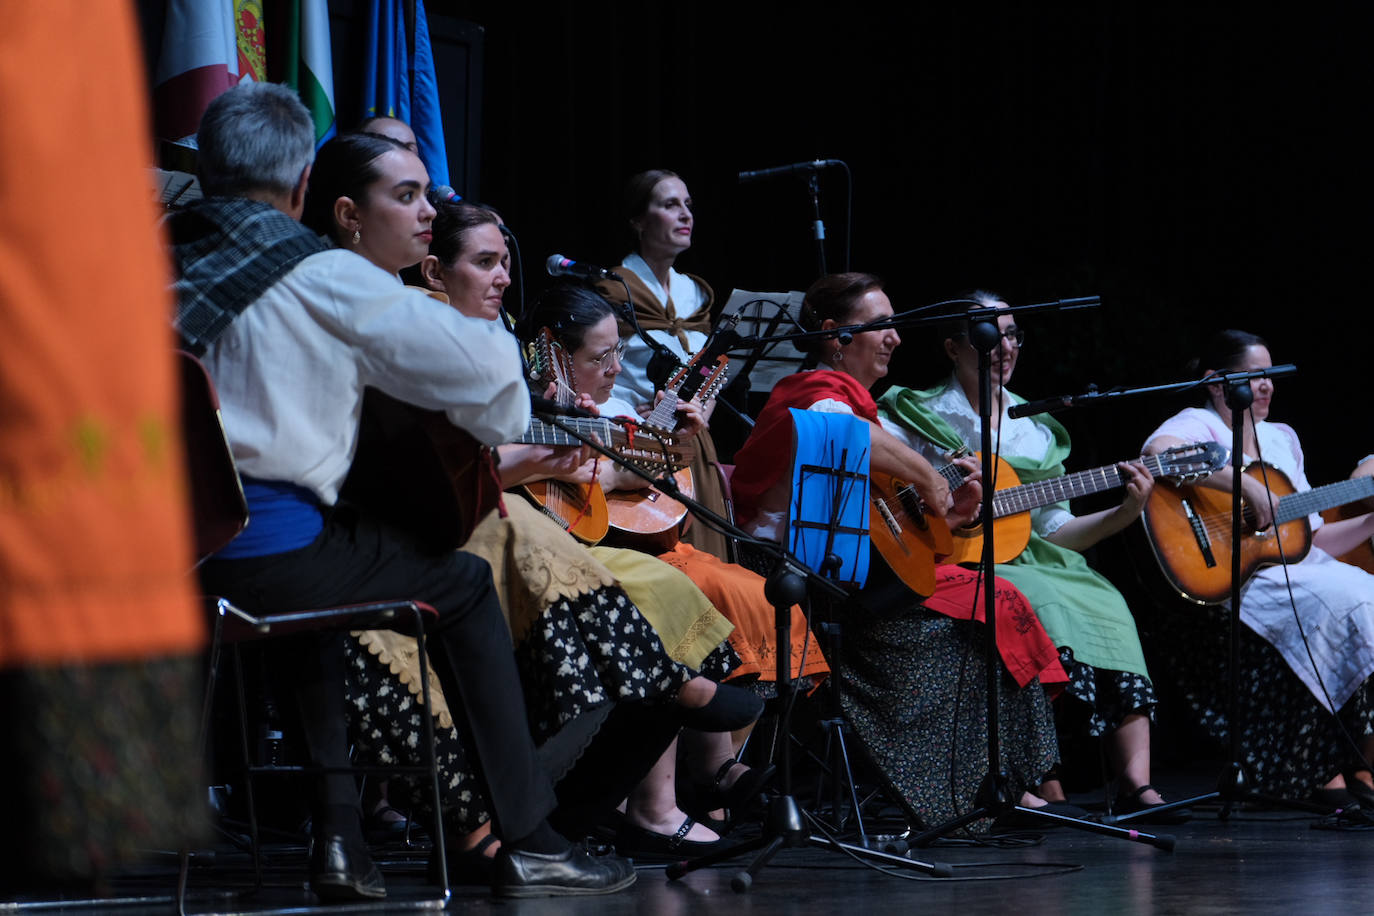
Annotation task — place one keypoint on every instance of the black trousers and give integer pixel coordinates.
(356, 560)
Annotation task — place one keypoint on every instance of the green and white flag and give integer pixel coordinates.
(309, 67)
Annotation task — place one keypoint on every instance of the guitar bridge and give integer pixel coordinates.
(1204, 543)
(888, 518)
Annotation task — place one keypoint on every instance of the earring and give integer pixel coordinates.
(357, 236)
(839, 356)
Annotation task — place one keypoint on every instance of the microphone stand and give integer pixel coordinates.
(665, 362)
(1233, 783)
(813, 184)
(786, 822)
(993, 797)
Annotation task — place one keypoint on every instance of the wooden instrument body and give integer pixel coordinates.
(1189, 529)
(910, 540)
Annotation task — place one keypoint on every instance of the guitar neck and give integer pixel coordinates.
(953, 475)
(664, 414)
(1030, 496)
(541, 433)
(1296, 505)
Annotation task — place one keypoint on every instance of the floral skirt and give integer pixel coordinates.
(913, 687)
(579, 656)
(1289, 744)
(1096, 700)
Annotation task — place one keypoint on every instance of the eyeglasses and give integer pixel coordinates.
(1012, 335)
(616, 354)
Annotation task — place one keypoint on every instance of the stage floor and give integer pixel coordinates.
(1255, 861)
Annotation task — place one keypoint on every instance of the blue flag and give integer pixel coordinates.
(402, 85)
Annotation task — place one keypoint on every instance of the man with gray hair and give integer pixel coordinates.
(292, 331)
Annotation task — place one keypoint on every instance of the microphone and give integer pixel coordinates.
(1044, 405)
(544, 407)
(444, 192)
(815, 165)
(559, 266)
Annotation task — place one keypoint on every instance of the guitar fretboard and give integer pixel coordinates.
(1029, 496)
(1296, 505)
(953, 474)
(541, 433)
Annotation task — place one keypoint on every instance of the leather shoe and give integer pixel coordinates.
(342, 869)
(634, 842)
(569, 873)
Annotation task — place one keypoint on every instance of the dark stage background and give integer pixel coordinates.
(1197, 165)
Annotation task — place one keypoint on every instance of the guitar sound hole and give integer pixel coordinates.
(911, 505)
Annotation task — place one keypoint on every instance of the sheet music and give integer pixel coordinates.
(764, 314)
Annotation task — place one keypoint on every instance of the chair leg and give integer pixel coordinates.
(246, 757)
(202, 742)
(428, 717)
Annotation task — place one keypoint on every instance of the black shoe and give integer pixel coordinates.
(1012, 821)
(1362, 793)
(341, 869)
(1334, 799)
(571, 872)
(466, 866)
(729, 708)
(1130, 804)
(738, 800)
(742, 792)
(642, 845)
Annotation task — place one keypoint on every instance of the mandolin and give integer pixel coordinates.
(580, 508)
(1189, 529)
(648, 510)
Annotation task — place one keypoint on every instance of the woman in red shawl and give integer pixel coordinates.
(910, 683)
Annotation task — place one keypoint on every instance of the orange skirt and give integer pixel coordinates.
(738, 594)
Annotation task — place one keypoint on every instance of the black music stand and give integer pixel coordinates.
(785, 825)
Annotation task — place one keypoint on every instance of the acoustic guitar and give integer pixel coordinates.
(649, 511)
(414, 469)
(580, 508)
(1362, 555)
(1013, 501)
(910, 540)
(1189, 528)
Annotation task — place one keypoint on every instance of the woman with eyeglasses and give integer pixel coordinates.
(584, 323)
(1109, 690)
(912, 681)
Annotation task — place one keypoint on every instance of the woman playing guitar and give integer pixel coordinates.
(913, 665)
(1291, 743)
(1080, 609)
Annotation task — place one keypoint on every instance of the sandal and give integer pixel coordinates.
(742, 792)
(1131, 803)
(386, 823)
